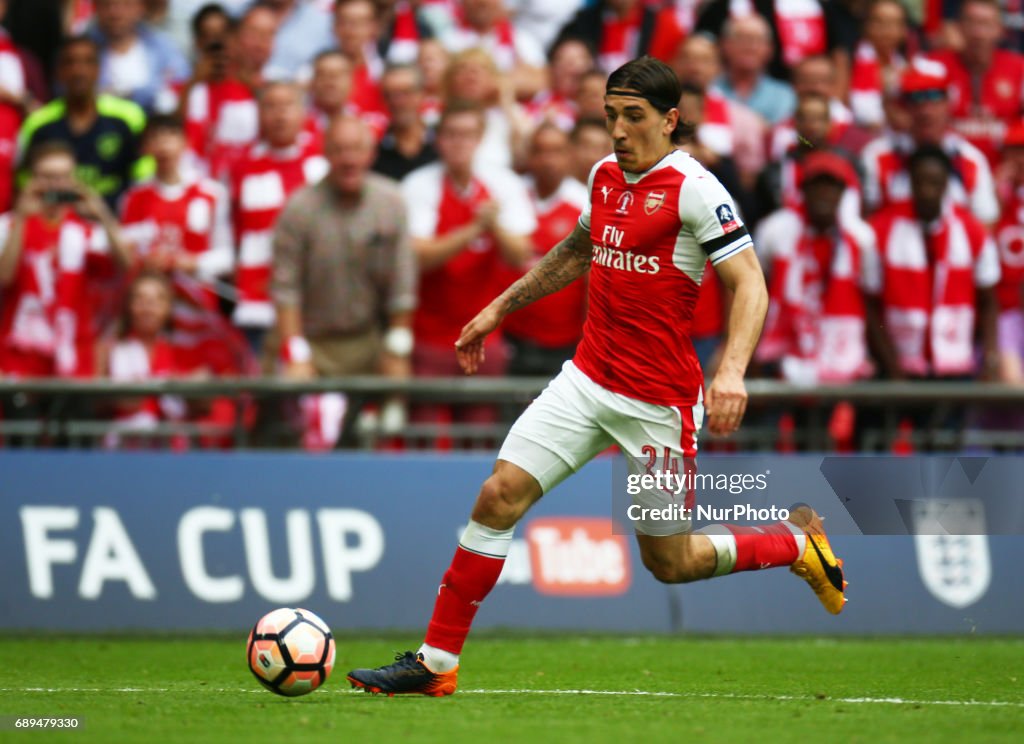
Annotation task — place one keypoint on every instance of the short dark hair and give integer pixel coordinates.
(163, 123)
(933, 153)
(208, 11)
(47, 149)
(586, 122)
(658, 84)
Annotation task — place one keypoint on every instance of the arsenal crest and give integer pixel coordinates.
(654, 201)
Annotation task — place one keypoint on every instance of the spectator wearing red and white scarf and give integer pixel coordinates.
(817, 262)
(924, 98)
(485, 24)
(218, 108)
(986, 83)
(933, 283)
(178, 224)
(570, 61)
(286, 158)
(57, 246)
(1010, 241)
(878, 62)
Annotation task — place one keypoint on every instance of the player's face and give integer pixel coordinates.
(641, 135)
(928, 180)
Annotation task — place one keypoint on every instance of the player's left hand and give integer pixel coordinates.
(725, 403)
(470, 347)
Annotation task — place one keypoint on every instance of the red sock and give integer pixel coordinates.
(467, 581)
(764, 546)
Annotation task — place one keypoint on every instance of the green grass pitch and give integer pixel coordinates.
(533, 689)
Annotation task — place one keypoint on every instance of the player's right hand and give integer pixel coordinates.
(470, 347)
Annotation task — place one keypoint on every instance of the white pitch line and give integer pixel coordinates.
(605, 693)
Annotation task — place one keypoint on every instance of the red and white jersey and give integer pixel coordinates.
(799, 25)
(716, 130)
(452, 293)
(260, 187)
(983, 108)
(181, 218)
(652, 233)
(926, 276)
(815, 327)
(12, 72)
(886, 180)
(554, 321)
(1010, 241)
(45, 312)
(221, 122)
(870, 83)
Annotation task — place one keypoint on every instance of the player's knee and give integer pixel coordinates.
(670, 569)
(500, 503)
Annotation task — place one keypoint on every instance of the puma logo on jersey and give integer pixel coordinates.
(606, 192)
(613, 258)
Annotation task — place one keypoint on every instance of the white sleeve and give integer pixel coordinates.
(984, 204)
(986, 269)
(872, 184)
(515, 213)
(707, 210)
(585, 214)
(220, 258)
(870, 262)
(422, 196)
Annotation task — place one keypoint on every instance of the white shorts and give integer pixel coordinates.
(574, 419)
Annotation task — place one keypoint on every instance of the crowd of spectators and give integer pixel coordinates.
(331, 187)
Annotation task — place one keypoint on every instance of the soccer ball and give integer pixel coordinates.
(290, 651)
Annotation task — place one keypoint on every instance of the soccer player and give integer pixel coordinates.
(653, 219)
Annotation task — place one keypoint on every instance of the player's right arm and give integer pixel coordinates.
(563, 264)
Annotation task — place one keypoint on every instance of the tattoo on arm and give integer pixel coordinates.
(563, 264)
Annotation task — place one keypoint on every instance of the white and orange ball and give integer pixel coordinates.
(290, 651)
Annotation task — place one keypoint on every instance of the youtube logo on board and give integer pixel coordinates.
(578, 557)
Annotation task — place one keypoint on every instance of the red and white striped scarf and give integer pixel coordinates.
(928, 290)
(868, 84)
(620, 38)
(816, 322)
(799, 26)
